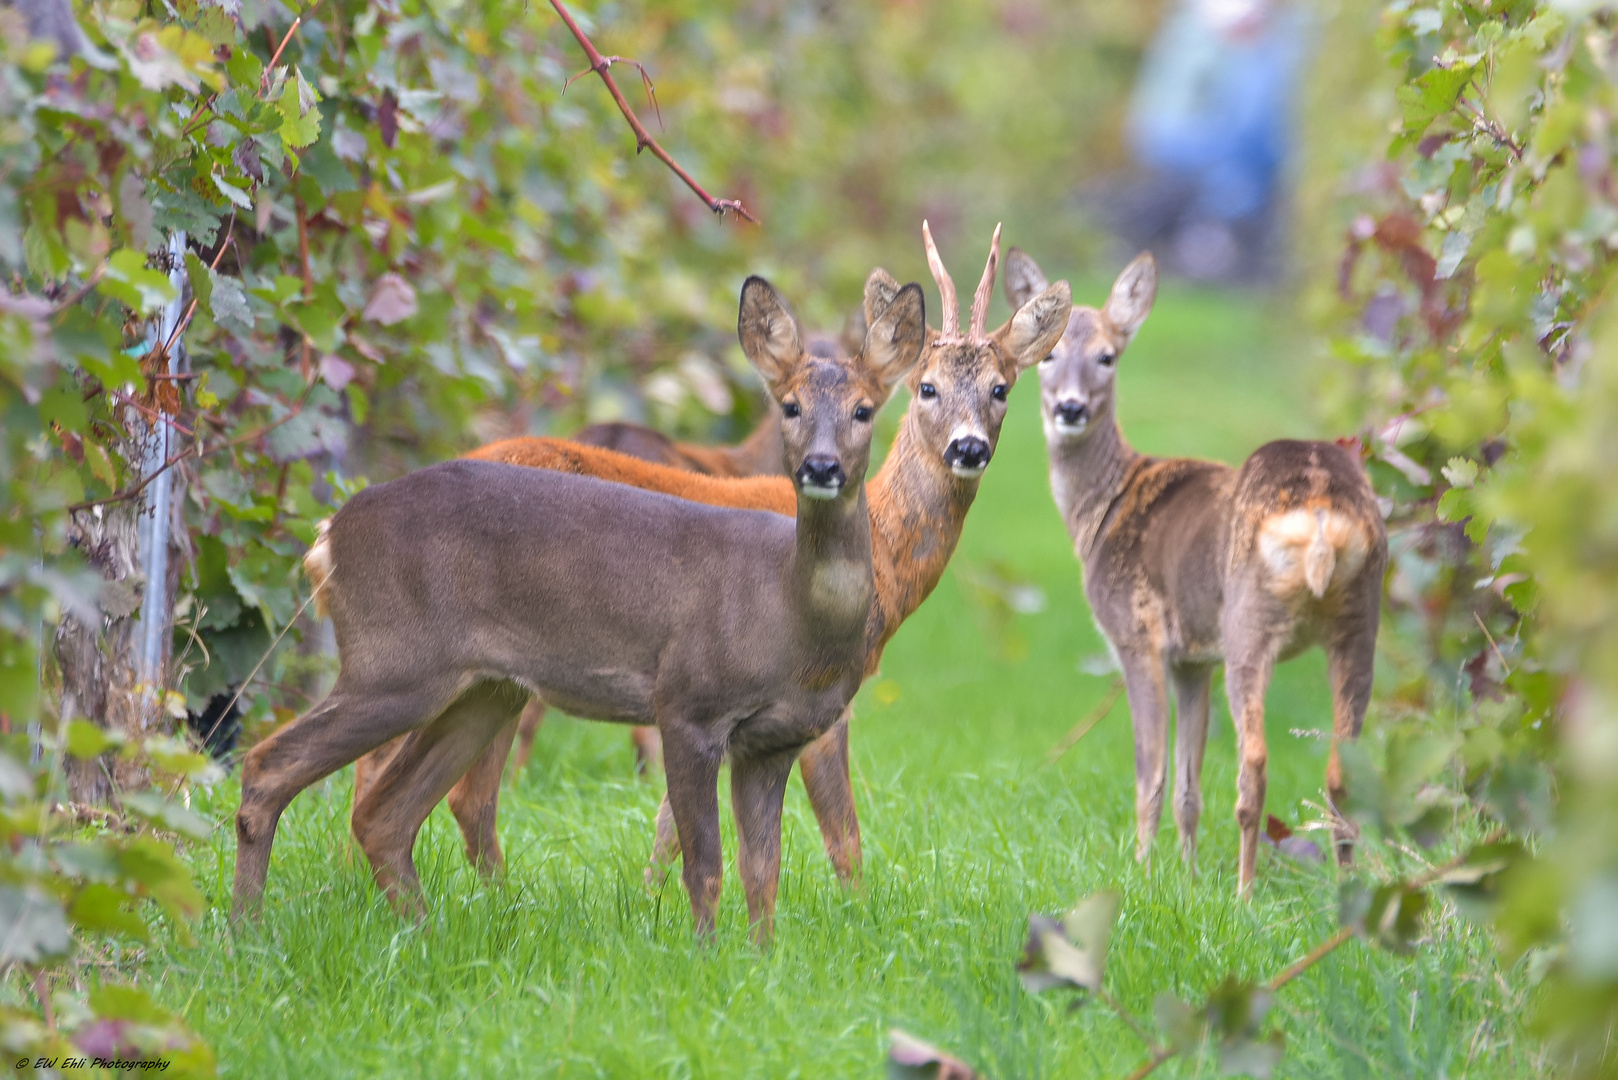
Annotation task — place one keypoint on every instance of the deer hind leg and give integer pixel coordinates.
(429, 763)
(352, 721)
(824, 767)
(1191, 684)
(758, 785)
(475, 802)
(533, 715)
(693, 800)
(366, 770)
(1149, 713)
(1249, 663)
(1351, 656)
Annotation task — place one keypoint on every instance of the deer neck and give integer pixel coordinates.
(918, 508)
(832, 582)
(1087, 476)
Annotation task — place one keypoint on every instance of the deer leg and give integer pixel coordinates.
(366, 770)
(824, 767)
(757, 787)
(429, 763)
(1249, 663)
(533, 715)
(1351, 656)
(475, 802)
(1191, 685)
(665, 845)
(693, 800)
(1149, 713)
(648, 750)
(349, 723)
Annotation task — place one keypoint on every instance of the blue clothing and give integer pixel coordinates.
(1214, 110)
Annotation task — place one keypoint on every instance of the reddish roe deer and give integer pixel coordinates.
(458, 590)
(1190, 563)
(918, 505)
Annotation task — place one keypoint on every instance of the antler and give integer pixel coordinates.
(980, 300)
(946, 287)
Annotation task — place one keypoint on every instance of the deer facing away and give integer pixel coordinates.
(1188, 564)
(918, 505)
(459, 589)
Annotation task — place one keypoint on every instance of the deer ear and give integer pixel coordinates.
(769, 334)
(1037, 326)
(893, 343)
(1024, 279)
(852, 337)
(1132, 296)
(880, 289)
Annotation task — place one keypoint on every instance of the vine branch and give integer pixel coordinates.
(643, 138)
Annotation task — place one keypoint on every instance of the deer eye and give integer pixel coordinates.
(790, 410)
(1048, 358)
(863, 414)
(928, 391)
(1000, 392)
(1107, 359)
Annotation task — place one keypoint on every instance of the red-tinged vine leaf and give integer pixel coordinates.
(392, 301)
(387, 119)
(911, 1059)
(335, 372)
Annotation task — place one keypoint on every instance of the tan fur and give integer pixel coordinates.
(317, 564)
(1189, 564)
(917, 509)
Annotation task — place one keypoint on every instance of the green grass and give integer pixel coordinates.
(570, 968)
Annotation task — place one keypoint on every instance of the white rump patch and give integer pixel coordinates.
(1313, 548)
(318, 565)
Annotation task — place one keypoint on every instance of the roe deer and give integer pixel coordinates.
(459, 589)
(1190, 563)
(757, 455)
(918, 505)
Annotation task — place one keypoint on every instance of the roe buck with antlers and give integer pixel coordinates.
(1190, 563)
(918, 505)
(458, 590)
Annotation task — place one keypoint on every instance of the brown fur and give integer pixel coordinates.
(459, 589)
(1188, 564)
(917, 508)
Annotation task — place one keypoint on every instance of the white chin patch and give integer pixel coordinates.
(967, 474)
(816, 491)
(1068, 431)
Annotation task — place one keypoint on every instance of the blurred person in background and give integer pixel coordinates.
(1210, 123)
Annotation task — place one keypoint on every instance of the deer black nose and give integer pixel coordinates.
(820, 471)
(967, 454)
(1072, 413)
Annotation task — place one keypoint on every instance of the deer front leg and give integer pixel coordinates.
(693, 799)
(1351, 657)
(475, 802)
(1191, 685)
(1149, 714)
(824, 767)
(1249, 662)
(757, 787)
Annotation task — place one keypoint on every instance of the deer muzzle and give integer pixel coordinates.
(821, 477)
(968, 456)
